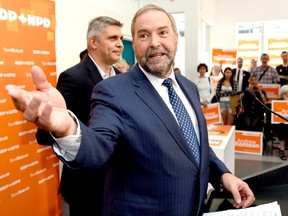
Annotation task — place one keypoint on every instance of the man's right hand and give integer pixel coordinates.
(45, 106)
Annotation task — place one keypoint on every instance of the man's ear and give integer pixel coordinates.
(92, 43)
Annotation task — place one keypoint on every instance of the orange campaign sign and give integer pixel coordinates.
(212, 113)
(218, 130)
(248, 142)
(278, 44)
(280, 107)
(248, 45)
(224, 56)
(215, 142)
(272, 90)
(29, 173)
(248, 49)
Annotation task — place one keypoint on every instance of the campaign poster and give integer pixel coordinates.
(29, 172)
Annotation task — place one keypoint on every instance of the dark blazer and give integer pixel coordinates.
(150, 169)
(80, 187)
(246, 76)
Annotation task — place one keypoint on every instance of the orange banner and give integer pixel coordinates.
(224, 56)
(272, 91)
(248, 142)
(29, 173)
(278, 44)
(215, 142)
(280, 107)
(212, 113)
(248, 45)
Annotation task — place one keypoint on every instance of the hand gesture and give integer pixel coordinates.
(45, 106)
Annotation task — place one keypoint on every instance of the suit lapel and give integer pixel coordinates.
(145, 90)
(93, 72)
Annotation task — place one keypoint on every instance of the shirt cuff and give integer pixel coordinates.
(68, 146)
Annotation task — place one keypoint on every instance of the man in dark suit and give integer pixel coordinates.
(151, 170)
(83, 189)
(241, 76)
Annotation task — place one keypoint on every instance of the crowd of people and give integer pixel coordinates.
(238, 85)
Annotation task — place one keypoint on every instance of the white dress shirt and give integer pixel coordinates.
(68, 146)
(239, 73)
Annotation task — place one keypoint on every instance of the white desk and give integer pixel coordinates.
(221, 140)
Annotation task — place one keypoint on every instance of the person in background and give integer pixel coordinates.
(83, 189)
(225, 88)
(253, 65)
(204, 85)
(266, 74)
(282, 129)
(252, 119)
(151, 169)
(83, 55)
(216, 71)
(241, 76)
(177, 70)
(282, 69)
(122, 65)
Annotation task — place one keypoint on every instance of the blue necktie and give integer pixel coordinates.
(184, 119)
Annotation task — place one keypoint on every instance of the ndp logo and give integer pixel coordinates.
(31, 20)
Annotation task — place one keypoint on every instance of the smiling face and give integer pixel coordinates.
(155, 42)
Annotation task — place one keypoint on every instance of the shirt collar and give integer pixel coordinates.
(102, 73)
(157, 81)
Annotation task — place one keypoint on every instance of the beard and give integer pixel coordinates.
(157, 68)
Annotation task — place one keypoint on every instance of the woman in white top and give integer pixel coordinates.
(204, 84)
(225, 88)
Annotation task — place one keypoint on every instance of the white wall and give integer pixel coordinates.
(209, 23)
(229, 12)
(72, 18)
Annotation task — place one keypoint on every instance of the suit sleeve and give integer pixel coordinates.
(217, 169)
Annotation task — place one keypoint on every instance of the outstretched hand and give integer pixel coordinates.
(45, 106)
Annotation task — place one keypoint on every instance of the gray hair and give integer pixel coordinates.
(97, 25)
(282, 90)
(148, 8)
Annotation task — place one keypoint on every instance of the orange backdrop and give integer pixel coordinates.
(29, 173)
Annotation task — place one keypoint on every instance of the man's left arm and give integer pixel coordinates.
(221, 178)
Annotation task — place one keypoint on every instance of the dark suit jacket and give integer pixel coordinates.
(150, 169)
(80, 186)
(246, 76)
